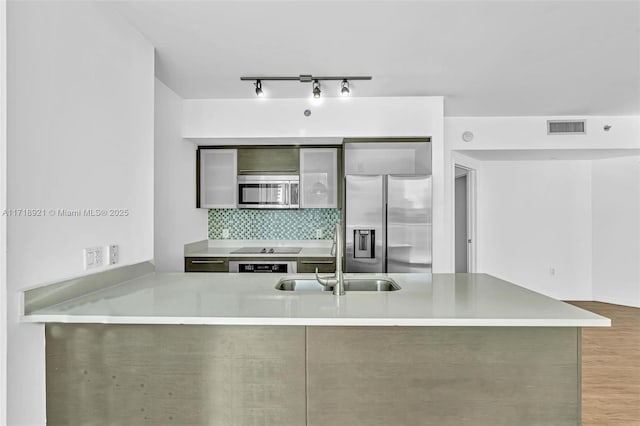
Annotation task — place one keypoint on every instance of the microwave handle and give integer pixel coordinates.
(286, 194)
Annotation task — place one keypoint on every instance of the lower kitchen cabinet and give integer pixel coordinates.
(197, 375)
(324, 264)
(206, 264)
(442, 376)
(250, 375)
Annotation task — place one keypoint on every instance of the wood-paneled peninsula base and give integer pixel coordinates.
(236, 375)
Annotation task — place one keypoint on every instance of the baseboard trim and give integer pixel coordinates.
(610, 301)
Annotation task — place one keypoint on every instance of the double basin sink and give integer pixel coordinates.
(350, 284)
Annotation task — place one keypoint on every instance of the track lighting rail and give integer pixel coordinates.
(305, 78)
(308, 78)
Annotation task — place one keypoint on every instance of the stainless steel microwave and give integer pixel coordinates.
(268, 192)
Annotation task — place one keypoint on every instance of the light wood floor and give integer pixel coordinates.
(611, 367)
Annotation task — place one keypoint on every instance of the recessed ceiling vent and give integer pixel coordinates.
(569, 127)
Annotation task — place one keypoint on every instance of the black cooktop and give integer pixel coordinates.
(268, 250)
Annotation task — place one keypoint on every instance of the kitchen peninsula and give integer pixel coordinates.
(140, 347)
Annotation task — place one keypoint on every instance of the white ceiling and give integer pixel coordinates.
(500, 58)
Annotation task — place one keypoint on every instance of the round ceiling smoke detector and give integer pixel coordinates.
(467, 136)
(307, 112)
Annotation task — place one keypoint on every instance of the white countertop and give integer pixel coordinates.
(224, 248)
(251, 299)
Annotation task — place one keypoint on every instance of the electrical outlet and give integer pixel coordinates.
(114, 254)
(93, 257)
(552, 271)
(225, 233)
(318, 233)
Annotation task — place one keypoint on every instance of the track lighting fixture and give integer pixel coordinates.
(308, 78)
(345, 88)
(259, 92)
(316, 89)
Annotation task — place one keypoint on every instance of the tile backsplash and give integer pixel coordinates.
(301, 224)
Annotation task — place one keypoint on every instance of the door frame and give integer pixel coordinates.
(471, 213)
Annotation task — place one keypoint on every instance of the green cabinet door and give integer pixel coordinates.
(206, 264)
(309, 264)
(268, 160)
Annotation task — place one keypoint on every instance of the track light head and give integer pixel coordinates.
(316, 89)
(259, 92)
(345, 88)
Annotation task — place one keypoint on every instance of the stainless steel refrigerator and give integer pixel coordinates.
(388, 223)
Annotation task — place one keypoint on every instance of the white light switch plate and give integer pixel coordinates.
(93, 257)
(114, 254)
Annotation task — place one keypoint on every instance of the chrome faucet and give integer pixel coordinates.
(336, 281)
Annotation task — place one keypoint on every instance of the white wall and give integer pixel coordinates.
(177, 220)
(330, 117)
(3, 206)
(616, 230)
(534, 216)
(531, 133)
(589, 214)
(80, 120)
(528, 134)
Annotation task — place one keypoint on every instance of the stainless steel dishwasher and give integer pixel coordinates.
(263, 266)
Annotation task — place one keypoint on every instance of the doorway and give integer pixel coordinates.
(464, 219)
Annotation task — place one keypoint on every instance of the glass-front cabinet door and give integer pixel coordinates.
(318, 178)
(218, 178)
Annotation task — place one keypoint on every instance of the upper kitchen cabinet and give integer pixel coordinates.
(400, 156)
(268, 160)
(319, 178)
(217, 178)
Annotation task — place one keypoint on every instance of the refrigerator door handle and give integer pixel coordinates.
(385, 228)
(385, 247)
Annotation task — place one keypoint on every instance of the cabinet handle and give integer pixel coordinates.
(217, 262)
(324, 262)
(268, 171)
